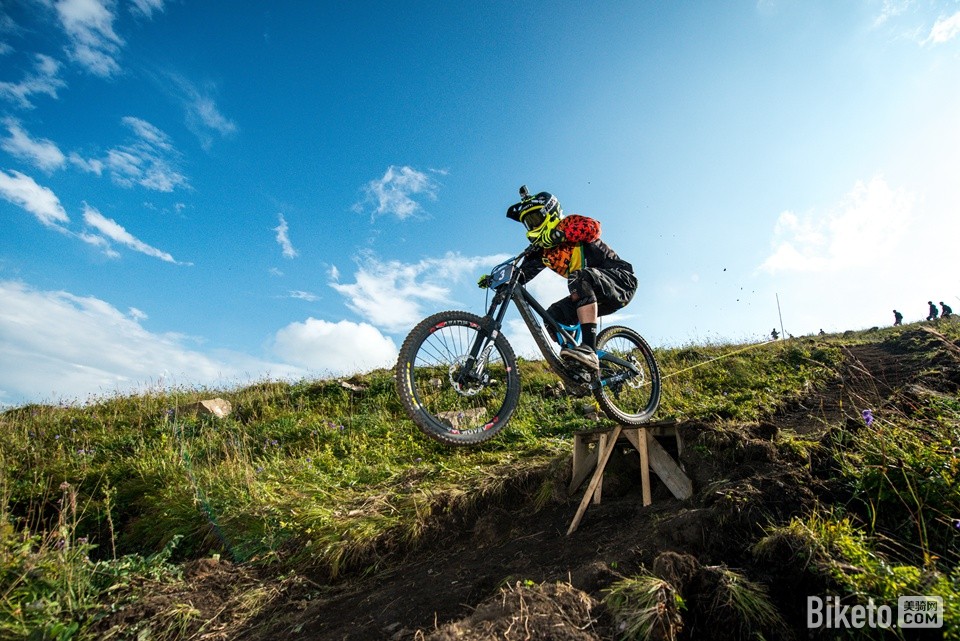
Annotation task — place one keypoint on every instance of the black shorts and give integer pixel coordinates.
(614, 288)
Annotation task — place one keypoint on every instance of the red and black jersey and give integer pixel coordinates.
(580, 248)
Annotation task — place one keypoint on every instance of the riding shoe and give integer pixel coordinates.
(583, 355)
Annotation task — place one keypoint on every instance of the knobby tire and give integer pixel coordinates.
(446, 407)
(634, 401)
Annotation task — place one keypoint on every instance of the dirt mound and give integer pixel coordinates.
(527, 612)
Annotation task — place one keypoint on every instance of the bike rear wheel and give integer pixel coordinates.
(452, 400)
(630, 388)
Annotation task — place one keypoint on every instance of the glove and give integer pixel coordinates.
(484, 281)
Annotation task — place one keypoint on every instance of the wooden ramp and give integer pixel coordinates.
(652, 456)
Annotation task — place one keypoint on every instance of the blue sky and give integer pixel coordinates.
(215, 193)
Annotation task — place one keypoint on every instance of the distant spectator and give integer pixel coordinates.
(774, 335)
(946, 310)
(933, 311)
(897, 318)
(823, 333)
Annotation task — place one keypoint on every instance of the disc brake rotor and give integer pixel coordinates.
(472, 386)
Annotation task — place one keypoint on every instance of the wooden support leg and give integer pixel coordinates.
(669, 472)
(583, 461)
(597, 477)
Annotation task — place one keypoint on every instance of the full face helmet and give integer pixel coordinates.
(540, 214)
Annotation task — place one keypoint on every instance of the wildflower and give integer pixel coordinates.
(956, 523)
(867, 417)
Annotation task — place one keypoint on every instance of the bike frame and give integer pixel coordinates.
(530, 309)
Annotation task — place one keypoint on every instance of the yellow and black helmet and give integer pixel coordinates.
(540, 214)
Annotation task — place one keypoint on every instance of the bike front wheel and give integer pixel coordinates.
(629, 390)
(457, 381)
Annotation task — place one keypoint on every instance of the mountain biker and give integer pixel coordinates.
(599, 281)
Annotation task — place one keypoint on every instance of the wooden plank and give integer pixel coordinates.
(638, 437)
(584, 460)
(602, 447)
(667, 469)
(662, 428)
(597, 477)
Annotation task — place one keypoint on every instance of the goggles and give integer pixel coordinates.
(533, 218)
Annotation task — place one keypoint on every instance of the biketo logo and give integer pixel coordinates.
(912, 612)
(920, 611)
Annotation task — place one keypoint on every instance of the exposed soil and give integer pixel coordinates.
(508, 571)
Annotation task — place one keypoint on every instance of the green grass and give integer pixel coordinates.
(311, 476)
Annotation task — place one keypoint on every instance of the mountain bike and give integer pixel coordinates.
(457, 375)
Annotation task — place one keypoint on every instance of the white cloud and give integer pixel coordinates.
(44, 80)
(889, 10)
(868, 222)
(23, 191)
(58, 345)
(301, 295)
(393, 194)
(93, 42)
(334, 348)
(203, 117)
(283, 239)
(149, 160)
(391, 295)
(91, 165)
(115, 232)
(42, 153)
(146, 8)
(945, 29)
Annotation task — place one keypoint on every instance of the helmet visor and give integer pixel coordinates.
(533, 218)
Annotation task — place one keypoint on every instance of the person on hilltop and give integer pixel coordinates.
(945, 310)
(933, 311)
(599, 281)
(897, 318)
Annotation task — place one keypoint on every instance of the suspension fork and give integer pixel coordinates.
(484, 343)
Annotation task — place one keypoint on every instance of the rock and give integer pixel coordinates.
(352, 387)
(213, 406)
(463, 419)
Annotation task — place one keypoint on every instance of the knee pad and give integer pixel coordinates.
(581, 288)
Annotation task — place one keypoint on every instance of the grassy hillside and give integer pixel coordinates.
(115, 517)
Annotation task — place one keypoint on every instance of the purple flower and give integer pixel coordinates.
(868, 417)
